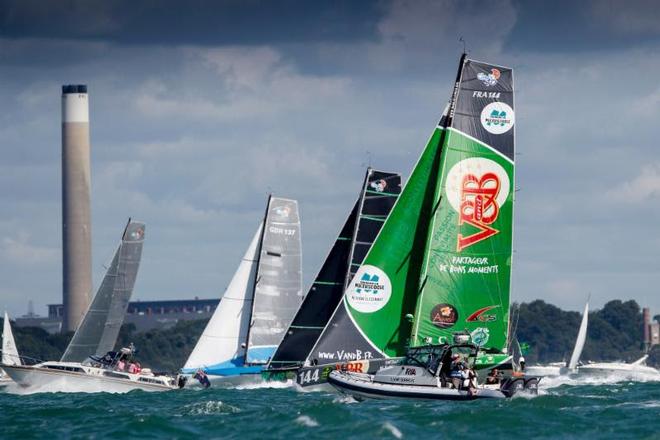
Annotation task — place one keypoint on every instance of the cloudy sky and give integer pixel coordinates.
(198, 112)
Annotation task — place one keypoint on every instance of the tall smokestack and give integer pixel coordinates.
(646, 317)
(76, 223)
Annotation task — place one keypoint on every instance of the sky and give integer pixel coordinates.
(199, 111)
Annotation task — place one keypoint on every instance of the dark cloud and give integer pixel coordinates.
(198, 22)
(569, 26)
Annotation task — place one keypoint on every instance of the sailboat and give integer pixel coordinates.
(378, 194)
(437, 278)
(442, 261)
(571, 367)
(258, 305)
(9, 351)
(88, 363)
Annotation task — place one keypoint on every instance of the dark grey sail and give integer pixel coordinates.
(98, 331)
(278, 287)
(378, 194)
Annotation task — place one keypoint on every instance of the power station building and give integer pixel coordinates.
(76, 216)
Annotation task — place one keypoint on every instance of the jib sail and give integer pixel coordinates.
(379, 192)
(370, 322)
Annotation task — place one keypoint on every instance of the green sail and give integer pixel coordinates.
(385, 288)
(465, 283)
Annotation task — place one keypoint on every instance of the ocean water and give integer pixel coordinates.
(607, 408)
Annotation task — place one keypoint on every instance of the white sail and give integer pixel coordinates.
(224, 337)
(9, 350)
(581, 338)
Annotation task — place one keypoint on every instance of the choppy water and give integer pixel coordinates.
(565, 408)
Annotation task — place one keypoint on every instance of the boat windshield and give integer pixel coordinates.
(431, 356)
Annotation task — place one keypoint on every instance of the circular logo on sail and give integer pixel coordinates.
(478, 177)
(444, 315)
(476, 188)
(370, 289)
(497, 117)
(480, 336)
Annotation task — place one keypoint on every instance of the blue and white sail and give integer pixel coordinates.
(260, 301)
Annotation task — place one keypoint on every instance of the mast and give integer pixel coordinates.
(256, 280)
(348, 277)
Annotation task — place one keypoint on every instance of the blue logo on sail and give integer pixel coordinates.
(368, 284)
(497, 118)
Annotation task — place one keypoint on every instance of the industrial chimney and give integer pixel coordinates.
(76, 219)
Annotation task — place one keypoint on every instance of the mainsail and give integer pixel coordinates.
(467, 269)
(260, 300)
(442, 260)
(97, 334)
(278, 284)
(221, 348)
(9, 350)
(580, 340)
(379, 192)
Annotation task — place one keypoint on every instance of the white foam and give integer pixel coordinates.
(307, 421)
(62, 385)
(211, 407)
(393, 430)
(600, 379)
(266, 384)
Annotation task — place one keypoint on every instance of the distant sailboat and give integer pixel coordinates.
(378, 194)
(259, 302)
(579, 341)
(88, 362)
(9, 351)
(571, 367)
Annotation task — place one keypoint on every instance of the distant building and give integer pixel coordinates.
(651, 329)
(145, 315)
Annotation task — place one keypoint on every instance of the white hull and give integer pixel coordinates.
(362, 387)
(35, 378)
(606, 368)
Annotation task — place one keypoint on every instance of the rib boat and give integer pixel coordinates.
(425, 374)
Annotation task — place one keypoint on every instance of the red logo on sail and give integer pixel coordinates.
(478, 208)
(482, 316)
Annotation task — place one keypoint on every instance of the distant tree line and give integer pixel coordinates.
(615, 333)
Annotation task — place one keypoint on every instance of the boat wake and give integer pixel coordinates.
(289, 383)
(62, 385)
(550, 382)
